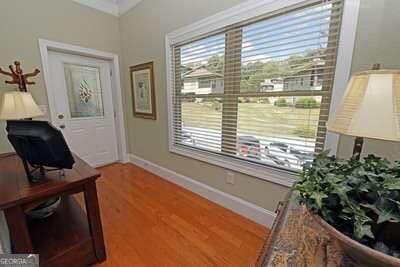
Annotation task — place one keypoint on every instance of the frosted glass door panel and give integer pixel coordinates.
(84, 91)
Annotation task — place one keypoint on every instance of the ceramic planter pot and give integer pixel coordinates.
(359, 253)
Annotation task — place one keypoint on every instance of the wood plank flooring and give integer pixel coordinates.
(148, 221)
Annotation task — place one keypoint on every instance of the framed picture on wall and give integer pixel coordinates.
(143, 96)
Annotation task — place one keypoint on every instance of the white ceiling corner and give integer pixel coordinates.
(126, 5)
(114, 7)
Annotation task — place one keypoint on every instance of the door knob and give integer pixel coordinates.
(62, 126)
(61, 116)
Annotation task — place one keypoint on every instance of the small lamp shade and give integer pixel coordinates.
(370, 107)
(17, 105)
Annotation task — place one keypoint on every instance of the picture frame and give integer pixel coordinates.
(143, 91)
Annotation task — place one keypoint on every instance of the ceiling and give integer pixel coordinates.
(114, 7)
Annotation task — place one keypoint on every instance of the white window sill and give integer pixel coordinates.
(270, 174)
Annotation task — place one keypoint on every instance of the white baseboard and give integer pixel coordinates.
(238, 205)
(126, 158)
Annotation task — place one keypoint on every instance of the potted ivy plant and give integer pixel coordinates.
(358, 203)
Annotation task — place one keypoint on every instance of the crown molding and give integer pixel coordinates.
(116, 8)
(102, 5)
(126, 5)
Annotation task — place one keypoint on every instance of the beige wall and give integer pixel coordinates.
(143, 33)
(378, 41)
(22, 22)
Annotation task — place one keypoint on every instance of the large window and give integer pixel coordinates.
(258, 91)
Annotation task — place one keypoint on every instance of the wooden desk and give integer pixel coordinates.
(71, 236)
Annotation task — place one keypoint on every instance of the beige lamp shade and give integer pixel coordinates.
(370, 107)
(17, 105)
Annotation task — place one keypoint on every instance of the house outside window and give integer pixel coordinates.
(202, 80)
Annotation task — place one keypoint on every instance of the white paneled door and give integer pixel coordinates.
(84, 107)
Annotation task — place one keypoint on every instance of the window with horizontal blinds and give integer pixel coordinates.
(259, 91)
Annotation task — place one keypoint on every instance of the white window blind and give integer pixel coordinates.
(258, 91)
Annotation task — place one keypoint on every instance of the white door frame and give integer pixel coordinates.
(46, 46)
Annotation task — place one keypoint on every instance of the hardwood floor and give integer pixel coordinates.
(148, 221)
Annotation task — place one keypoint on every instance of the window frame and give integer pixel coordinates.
(238, 14)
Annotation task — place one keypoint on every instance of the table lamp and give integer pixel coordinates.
(370, 108)
(18, 105)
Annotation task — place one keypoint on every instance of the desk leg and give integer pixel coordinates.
(93, 214)
(19, 234)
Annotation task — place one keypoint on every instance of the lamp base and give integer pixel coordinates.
(357, 149)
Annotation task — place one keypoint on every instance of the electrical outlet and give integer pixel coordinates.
(230, 178)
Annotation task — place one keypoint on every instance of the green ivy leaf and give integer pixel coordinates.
(366, 187)
(397, 203)
(341, 191)
(363, 230)
(388, 215)
(318, 197)
(371, 207)
(348, 210)
(392, 183)
(334, 178)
